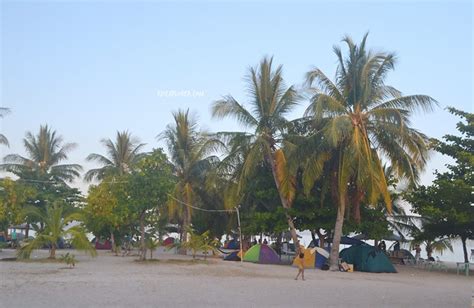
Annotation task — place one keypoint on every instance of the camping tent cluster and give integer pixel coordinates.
(364, 257)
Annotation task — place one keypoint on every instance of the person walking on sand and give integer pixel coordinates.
(300, 263)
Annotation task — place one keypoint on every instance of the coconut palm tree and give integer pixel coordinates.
(121, 156)
(264, 126)
(56, 219)
(190, 151)
(3, 112)
(365, 121)
(45, 152)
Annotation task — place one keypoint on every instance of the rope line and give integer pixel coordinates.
(198, 208)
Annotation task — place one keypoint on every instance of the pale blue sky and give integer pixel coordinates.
(91, 68)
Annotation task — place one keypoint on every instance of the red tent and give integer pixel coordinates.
(168, 241)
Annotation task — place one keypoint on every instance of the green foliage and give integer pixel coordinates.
(13, 198)
(264, 124)
(152, 244)
(3, 139)
(190, 150)
(447, 204)
(122, 155)
(151, 182)
(45, 152)
(200, 242)
(106, 208)
(69, 259)
(57, 219)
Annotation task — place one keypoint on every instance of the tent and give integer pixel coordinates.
(312, 260)
(168, 241)
(232, 244)
(103, 245)
(367, 258)
(261, 254)
(234, 256)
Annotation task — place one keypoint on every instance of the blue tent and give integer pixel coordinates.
(234, 256)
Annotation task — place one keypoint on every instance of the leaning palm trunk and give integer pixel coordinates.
(464, 249)
(286, 203)
(336, 240)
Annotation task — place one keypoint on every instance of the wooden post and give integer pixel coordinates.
(240, 234)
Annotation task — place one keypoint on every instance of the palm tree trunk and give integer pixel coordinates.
(285, 203)
(184, 233)
(464, 248)
(112, 241)
(356, 208)
(429, 250)
(336, 240)
(52, 252)
(142, 237)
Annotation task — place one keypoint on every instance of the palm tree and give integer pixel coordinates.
(120, 159)
(265, 124)
(190, 151)
(56, 219)
(365, 121)
(45, 152)
(3, 112)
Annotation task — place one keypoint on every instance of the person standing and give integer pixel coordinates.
(300, 263)
(417, 252)
(14, 239)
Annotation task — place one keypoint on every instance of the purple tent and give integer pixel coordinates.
(261, 254)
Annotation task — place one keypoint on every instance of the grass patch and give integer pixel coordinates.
(40, 260)
(8, 259)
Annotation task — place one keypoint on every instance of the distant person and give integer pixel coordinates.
(417, 252)
(14, 239)
(265, 242)
(254, 242)
(382, 246)
(260, 241)
(300, 263)
(396, 247)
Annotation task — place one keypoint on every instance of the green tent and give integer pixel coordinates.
(367, 258)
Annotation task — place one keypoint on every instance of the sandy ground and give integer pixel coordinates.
(109, 281)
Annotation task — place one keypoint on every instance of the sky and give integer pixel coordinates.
(90, 68)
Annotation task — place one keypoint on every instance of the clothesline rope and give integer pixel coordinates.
(201, 209)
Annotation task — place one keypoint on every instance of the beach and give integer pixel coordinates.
(175, 281)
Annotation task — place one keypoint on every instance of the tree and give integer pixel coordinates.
(3, 112)
(57, 219)
(149, 186)
(364, 121)
(122, 156)
(446, 205)
(106, 209)
(190, 151)
(45, 153)
(200, 242)
(13, 199)
(270, 102)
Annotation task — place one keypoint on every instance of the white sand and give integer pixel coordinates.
(109, 281)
